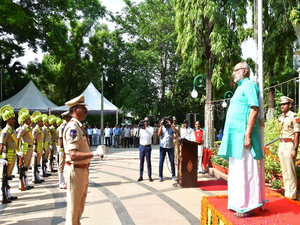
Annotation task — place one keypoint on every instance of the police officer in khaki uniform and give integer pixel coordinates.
(61, 180)
(26, 139)
(47, 145)
(289, 128)
(78, 155)
(8, 145)
(175, 140)
(38, 138)
(54, 141)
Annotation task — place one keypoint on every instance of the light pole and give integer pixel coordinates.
(199, 81)
(228, 94)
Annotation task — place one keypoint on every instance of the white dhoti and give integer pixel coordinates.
(243, 183)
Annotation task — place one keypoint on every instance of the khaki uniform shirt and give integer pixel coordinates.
(24, 136)
(47, 134)
(54, 135)
(6, 138)
(287, 125)
(37, 131)
(61, 129)
(74, 138)
(177, 127)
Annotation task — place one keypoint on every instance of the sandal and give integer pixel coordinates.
(245, 214)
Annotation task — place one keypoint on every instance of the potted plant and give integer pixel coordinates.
(298, 177)
(275, 186)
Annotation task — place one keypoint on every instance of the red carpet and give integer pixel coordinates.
(279, 210)
(212, 185)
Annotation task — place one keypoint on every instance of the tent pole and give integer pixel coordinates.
(102, 127)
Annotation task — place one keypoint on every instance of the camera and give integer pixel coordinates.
(142, 124)
(165, 121)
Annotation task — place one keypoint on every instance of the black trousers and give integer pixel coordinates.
(107, 140)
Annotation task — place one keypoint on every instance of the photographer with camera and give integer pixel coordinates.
(145, 133)
(166, 132)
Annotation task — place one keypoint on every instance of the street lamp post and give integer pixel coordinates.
(199, 81)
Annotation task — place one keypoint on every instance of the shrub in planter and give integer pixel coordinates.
(276, 184)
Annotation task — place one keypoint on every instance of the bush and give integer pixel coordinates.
(276, 184)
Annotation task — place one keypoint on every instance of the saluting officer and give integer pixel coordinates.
(26, 139)
(78, 155)
(61, 181)
(289, 128)
(8, 145)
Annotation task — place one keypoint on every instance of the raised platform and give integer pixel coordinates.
(219, 175)
(279, 210)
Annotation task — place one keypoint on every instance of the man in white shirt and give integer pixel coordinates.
(99, 136)
(127, 135)
(146, 133)
(95, 130)
(186, 132)
(107, 136)
(90, 133)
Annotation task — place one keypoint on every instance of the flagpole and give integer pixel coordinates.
(261, 96)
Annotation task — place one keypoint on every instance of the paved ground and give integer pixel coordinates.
(114, 196)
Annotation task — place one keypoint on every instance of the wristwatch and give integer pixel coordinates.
(296, 149)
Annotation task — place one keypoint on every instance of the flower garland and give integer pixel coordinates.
(216, 215)
(275, 158)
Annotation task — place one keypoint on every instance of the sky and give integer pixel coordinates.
(116, 6)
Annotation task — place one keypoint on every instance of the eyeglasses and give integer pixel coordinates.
(238, 69)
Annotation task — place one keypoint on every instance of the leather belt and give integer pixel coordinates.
(145, 145)
(286, 140)
(81, 166)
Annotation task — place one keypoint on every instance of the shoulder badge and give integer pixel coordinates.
(297, 120)
(34, 131)
(3, 134)
(72, 133)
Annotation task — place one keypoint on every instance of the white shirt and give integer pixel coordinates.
(127, 132)
(146, 136)
(95, 130)
(187, 133)
(107, 132)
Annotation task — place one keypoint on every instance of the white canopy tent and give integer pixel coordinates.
(93, 99)
(31, 98)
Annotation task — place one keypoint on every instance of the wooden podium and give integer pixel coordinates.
(187, 163)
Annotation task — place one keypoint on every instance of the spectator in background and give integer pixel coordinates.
(90, 133)
(107, 136)
(220, 135)
(95, 130)
(117, 134)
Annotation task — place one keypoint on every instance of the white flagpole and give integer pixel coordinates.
(261, 96)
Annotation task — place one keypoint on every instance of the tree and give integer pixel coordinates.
(151, 31)
(209, 38)
(32, 22)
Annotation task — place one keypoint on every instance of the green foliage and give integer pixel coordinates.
(297, 168)
(276, 184)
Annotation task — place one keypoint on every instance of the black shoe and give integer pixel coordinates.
(150, 179)
(30, 186)
(49, 174)
(8, 201)
(13, 198)
(45, 175)
(42, 180)
(27, 188)
(37, 182)
(140, 178)
(13, 176)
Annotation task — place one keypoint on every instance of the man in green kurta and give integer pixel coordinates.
(241, 145)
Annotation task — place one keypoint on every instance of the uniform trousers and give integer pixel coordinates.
(155, 138)
(27, 157)
(244, 183)
(288, 169)
(78, 181)
(61, 163)
(145, 151)
(10, 165)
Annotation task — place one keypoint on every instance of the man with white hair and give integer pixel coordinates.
(241, 145)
